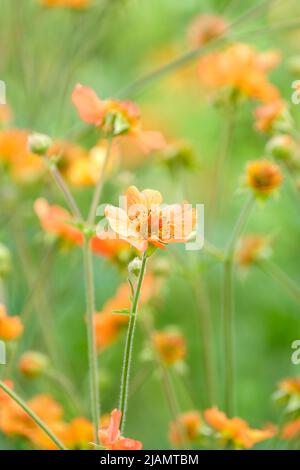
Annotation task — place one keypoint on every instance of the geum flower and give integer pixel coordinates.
(115, 118)
(144, 221)
(190, 423)
(263, 177)
(10, 327)
(111, 438)
(235, 431)
(59, 222)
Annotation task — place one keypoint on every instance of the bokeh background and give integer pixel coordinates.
(43, 54)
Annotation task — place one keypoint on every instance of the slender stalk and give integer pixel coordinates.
(99, 186)
(123, 402)
(281, 278)
(60, 182)
(228, 309)
(31, 413)
(92, 351)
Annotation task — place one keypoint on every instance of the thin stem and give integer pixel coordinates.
(99, 186)
(129, 344)
(31, 413)
(281, 278)
(60, 182)
(92, 351)
(228, 309)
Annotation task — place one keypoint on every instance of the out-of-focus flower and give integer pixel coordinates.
(178, 156)
(79, 434)
(272, 117)
(39, 144)
(77, 4)
(4, 398)
(253, 248)
(134, 267)
(111, 437)
(190, 423)
(281, 147)
(115, 118)
(23, 165)
(288, 394)
(5, 114)
(146, 222)
(32, 364)
(108, 325)
(263, 177)
(10, 327)
(241, 68)
(235, 431)
(170, 345)
(291, 430)
(206, 27)
(5, 260)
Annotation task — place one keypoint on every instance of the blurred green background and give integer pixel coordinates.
(43, 54)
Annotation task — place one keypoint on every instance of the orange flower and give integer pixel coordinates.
(291, 430)
(235, 431)
(32, 364)
(111, 438)
(80, 433)
(171, 346)
(77, 4)
(10, 327)
(263, 177)
(108, 325)
(145, 222)
(23, 165)
(252, 248)
(115, 117)
(242, 68)
(206, 27)
(290, 386)
(190, 423)
(266, 116)
(5, 114)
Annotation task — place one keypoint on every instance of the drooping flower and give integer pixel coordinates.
(115, 118)
(241, 68)
(170, 345)
(263, 177)
(252, 248)
(205, 27)
(145, 221)
(288, 394)
(32, 364)
(10, 327)
(235, 431)
(76, 4)
(111, 438)
(271, 116)
(190, 423)
(282, 147)
(108, 325)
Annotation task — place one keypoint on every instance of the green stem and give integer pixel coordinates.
(31, 413)
(228, 309)
(99, 186)
(129, 344)
(92, 351)
(281, 278)
(60, 182)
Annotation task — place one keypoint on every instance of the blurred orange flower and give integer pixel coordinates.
(115, 117)
(79, 433)
(235, 431)
(267, 115)
(10, 327)
(263, 177)
(290, 386)
(241, 67)
(171, 346)
(14, 152)
(206, 27)
(5, 114)
(111, 438)
(291, 430)
(32, 364)
(78, 4)
(190, 423)
(145, 222)
(251, 249)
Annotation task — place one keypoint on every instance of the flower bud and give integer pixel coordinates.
(32, 364)
(135, 266)
(281, 147)
(5, 260)
(39, 143)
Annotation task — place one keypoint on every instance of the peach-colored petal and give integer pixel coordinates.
(89, 107)
(114, 425)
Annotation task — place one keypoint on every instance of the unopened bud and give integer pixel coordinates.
(135, 266)
(5, 260)
(281, 147)
(39, 143)
(32, 364)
